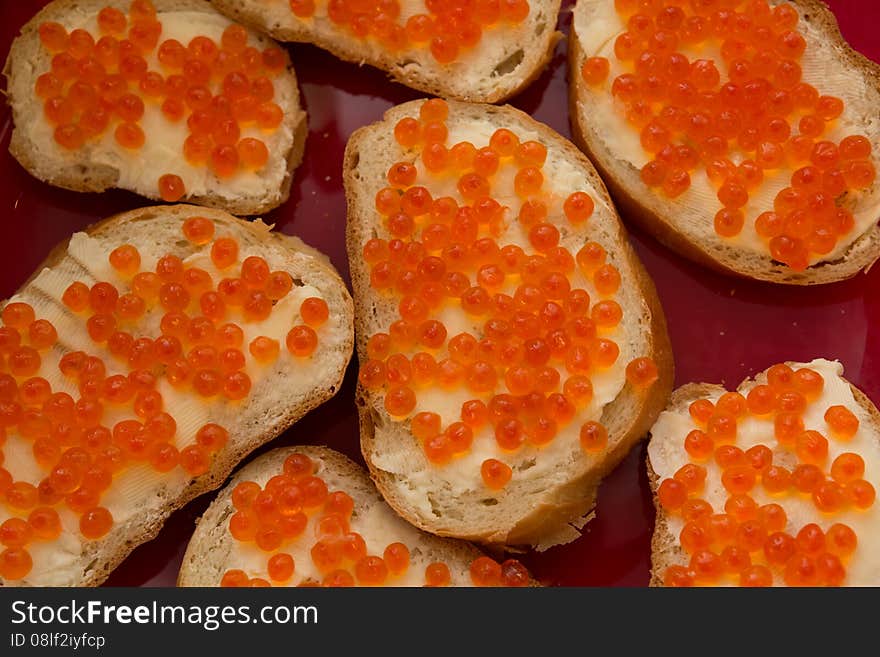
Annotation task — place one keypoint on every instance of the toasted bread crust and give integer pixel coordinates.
(93, 177)
(576, 497)
(630, 195)
(139, 530)
(399, 68)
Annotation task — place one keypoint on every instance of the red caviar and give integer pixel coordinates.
(805, 556)
(691, 116)
(453, 250)
(270, 517)
(79, 78)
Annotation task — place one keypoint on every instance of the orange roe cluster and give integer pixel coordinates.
(100, 82)
(757, 545)
(199, 349)
(297, 505)
(447, 29)
(529, 365)
(740, 119)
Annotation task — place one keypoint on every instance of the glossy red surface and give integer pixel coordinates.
(722, 329)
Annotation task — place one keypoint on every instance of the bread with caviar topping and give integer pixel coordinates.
(212, 550)
(100, 163)
(685, 224)
(505, 61)
(666, 453)
(283, 389)
(533, 508)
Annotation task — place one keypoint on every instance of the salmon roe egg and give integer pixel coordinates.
(224, 252)
(15, 563)
(407, 132)
(578, 207)
(301, 341)
(809, 383)
(672, 494)
(842, 422)
(756, 576)
(171, 187)
(595, 70)
(841, 540)
(811, 447)
(437, 574)
(860, 493)
(806, 477)
(42, 334)
(280, 567)
(698, 445)
(396, 557)
(18, 315)
(234, 578)
(53, 36)
(95, 523)
(642, 372)
(371, 571)
(264, 349)
(314, 311)
(761, 400)
(485, 571)
(495, 474)
(678, 576)
(198, 230)
(125, 259)
(253, 153)
(45, 523)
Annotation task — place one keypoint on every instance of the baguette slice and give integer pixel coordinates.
(212, 550)
(686, 224)
(505, 61)
(101, 163)
(552, 485)
(140, 499)
(666, 454)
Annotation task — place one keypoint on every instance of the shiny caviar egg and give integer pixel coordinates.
(224, 252)
(485, 571)
(595, 70)
(95, 523)
(171, 187)
(437, 574)
(301, 341)
(15, 563)
(397, 557)
(642, 372)
(495, 474)
(314, 311)
(280, 567)
(198, 230)
(842, 422)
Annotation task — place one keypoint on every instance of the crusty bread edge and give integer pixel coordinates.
(575, 499)
(346, 49)
(665, 548)
(94, 177)
(860, 256)
(225, 460)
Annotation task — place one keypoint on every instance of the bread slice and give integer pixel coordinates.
(666, 454)
(685, 224)
(283, 390)
(505, 61)
(213, 550)
(101, 163)
(552, 485)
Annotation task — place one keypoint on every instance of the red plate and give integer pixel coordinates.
(722, 329)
